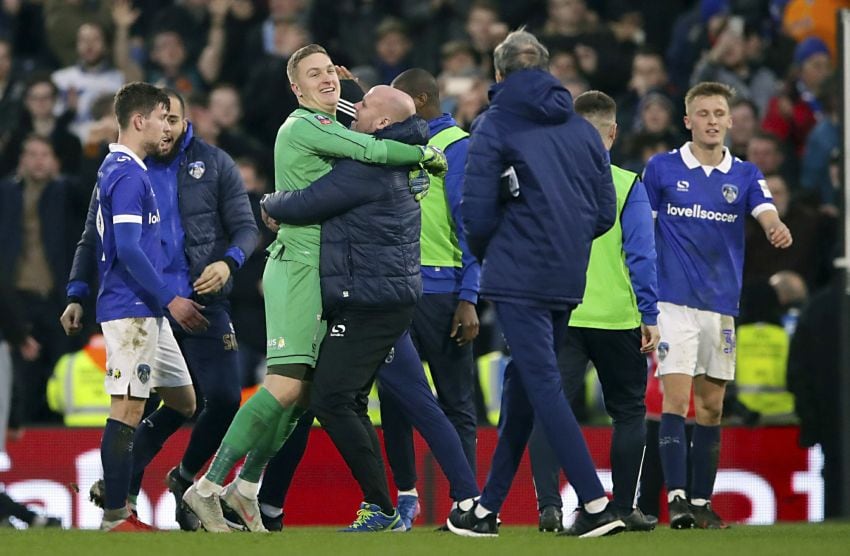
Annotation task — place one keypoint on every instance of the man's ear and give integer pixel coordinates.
(295, 90)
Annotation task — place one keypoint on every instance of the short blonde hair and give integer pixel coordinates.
(709, 89)
(300, 54)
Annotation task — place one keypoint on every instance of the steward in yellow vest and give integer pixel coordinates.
(76, 388)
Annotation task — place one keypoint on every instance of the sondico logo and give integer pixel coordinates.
(696, 211)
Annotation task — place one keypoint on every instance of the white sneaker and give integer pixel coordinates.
(207, 509)
(246, 508)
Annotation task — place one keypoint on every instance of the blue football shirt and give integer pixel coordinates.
(125, 195)
(699, 227)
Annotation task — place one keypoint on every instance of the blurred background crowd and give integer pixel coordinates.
(61, 61)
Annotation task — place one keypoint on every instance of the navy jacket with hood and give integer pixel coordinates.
(215, 220)
(370, 227)
(535, 247)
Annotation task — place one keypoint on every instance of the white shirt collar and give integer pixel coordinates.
(691, 161)
(119, 148)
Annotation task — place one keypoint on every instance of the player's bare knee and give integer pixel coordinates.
(676, 404)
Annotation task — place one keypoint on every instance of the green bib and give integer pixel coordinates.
(609, 300)
(438, 240)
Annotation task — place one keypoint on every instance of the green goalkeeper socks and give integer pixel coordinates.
(249, 426)
(257, 458)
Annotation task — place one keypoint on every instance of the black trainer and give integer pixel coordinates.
(706, 518)
(551, 519)
(636, 520)
(273, 524)
(600, 524)
(467, 524)
(681, 515)
(177, 485)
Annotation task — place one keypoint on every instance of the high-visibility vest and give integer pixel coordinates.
(760, 375)
(438, 240)
(77, 388)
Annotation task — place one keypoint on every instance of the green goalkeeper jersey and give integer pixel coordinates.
(307, 144)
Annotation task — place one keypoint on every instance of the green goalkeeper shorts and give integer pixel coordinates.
(293, 300)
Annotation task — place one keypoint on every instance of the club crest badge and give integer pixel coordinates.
(663, 350)
(324, 120)
(144, 373)
(730, 192)
(197, 169)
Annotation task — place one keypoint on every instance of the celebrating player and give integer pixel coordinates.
(700, 195)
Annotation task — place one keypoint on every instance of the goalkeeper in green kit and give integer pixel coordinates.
(306, 146)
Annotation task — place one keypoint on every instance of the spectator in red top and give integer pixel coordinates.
(792, 113)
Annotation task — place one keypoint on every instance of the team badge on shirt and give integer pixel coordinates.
(324, 120)
(197, 169)
(144, 373)
(730, 192)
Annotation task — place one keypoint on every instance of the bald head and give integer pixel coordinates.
(423, 88)
(382, 106)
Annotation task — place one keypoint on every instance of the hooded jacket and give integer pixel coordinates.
(535, 247)
(370, 227)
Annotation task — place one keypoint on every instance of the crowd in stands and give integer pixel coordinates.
(61, 61)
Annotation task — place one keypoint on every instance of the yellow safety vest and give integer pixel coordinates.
(760, 375)
(77, 390)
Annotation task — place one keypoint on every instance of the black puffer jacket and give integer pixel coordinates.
(370, 227)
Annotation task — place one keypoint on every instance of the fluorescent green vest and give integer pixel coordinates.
(609, 300)
(77, 390)
(762, 358)
(438, 239)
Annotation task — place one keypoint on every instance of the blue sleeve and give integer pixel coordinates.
(470, 270)
(606, 195)
(480, 203)
(235, 210)
(757, 192)
(348, 185)
(127, 224)
(639, 247)
(84, 266)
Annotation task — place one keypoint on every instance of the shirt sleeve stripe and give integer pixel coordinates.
(127, 219)
(764, 207)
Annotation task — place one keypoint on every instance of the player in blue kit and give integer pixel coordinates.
(141, 352)
(700, 195)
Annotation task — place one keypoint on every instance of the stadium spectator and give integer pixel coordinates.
(814, 238)
(11, 93)
(792, 113)
(225, 111)
(745, 116)
(485, 31)
(820, 144)
(648, 75)
(458, 71)
(765, 150)
(63, 19)
(531, 117)
(90, 76)
(431, 25)
(471, 103)
(692, 34)
(76, 389)
(392, 47)
(38, 117)
(102, 131)
(803, 19)
(727, 62)
(347, 29)
(39, 219)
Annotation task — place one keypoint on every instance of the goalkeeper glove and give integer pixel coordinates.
(434, 161)
(418, 182)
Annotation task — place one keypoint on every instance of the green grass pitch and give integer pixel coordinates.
(790, 539)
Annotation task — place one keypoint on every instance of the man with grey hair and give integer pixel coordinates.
(534, 250)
